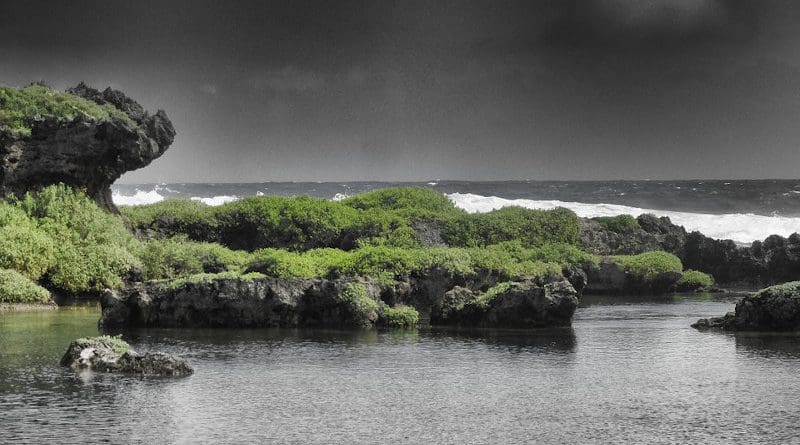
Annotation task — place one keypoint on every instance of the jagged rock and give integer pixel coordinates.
(334, 302)
(774, 260)
(110, 354)
(84, 152)
(529, 303)
(240, 302)
(776, 308)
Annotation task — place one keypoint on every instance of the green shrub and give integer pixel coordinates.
(16, 288)
(26, 249)
(299, 223)
(177, 257)
(115, 342)
(649, 264)
(285, 264)
(694, 279)
(20, 108)
(785, 290)
(203, 278)
(483, 299)
(530, 227)
(619, 223)
(92, 248)
(408, 202)
(361, 310)
(173, 217)
(400, 316)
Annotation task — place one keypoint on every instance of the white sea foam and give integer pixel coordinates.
(739, 227)
(138, 198)
(215, 200)
(339, 197)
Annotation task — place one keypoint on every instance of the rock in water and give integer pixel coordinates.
(776, 308)
(111, 354)
(85, 152)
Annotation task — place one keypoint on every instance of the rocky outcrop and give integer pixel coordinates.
(610, 278)
(775, 308)
(110, 354)
(530, 303)
(244, 303)
(84, 152)
(336, 302)
(774, 260)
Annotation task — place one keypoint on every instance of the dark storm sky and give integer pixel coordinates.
(406, 90)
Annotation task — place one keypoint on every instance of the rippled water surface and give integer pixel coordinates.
(626, 372)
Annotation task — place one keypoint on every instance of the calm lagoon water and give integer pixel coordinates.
(628, 371)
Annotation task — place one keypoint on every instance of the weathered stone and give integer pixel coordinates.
(109, 354)
(85, 153)
(776, 308)
(610, 278)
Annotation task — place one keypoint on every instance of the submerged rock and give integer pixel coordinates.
(776, 308)
(112, 354)
(84, 152)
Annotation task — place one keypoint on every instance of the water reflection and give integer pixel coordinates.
(768, 345)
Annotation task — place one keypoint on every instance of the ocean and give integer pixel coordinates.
(743, 211)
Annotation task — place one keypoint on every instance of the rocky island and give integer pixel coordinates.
(390, 257)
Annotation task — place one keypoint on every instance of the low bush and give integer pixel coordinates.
(173, 217)
(92, 248)
(400, 316)
(649, 264)
(407, 202)
(177, 257)
(619, 223)
(530, 227)
(26, 249)
(16, 288)
(20, 108)
(299, 223)
(361, 309)
(694, 279)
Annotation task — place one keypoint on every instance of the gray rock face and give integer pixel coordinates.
(339, 302)
(236, 302)
(107, 354)
(84, 152)
(776, 308)
(528, 303)
(610, 279)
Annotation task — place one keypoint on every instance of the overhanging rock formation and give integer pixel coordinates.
(84, 152)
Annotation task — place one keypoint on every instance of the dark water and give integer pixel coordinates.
(760, 197)
(625, 373)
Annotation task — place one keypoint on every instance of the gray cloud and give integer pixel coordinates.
(289, 79)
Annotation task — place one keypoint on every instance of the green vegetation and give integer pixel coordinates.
(785, 290)
(115, 342)
(16, 288)
(388, 264)
(20, 108)
(362, 309)
(694, 279)
(176, 257)
(379, 218)
(530, 227)
(647, 265)
(92, 248)
(408, 202)
(486, 297)
(400, 316)
(174, 217)
(204, 278)
(619, 223)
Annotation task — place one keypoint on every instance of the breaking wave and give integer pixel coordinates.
(739, 227)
